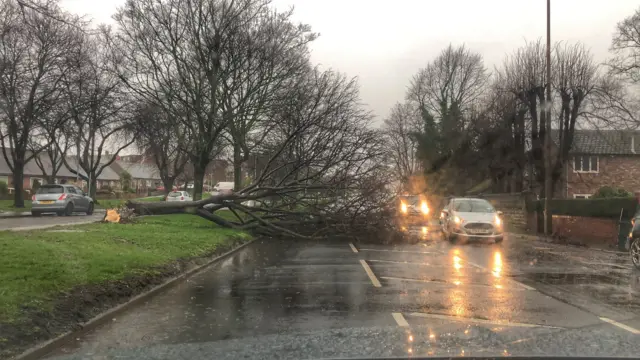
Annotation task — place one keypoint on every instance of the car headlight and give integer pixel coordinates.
(424, 208)
(403, 208)
(457, 220)
(498, 221)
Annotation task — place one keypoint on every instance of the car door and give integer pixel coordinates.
(82, 199)
(77, 203)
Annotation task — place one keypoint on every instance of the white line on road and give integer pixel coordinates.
(370, 273)
(477, 321)
(402, 322)
(444, 282)
(407, 263)
(621, 325)
(353, 248)
(405, 251)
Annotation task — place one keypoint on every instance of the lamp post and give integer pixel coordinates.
(548, 217)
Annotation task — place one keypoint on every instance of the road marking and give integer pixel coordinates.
(407, 263)
(524, 286)
(402, 322)
(404, 251)
(621, 325)
(353, 248)
(478, 321)
(370, 273)
(444, 282)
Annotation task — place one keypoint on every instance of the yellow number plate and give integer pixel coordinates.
(47, 202)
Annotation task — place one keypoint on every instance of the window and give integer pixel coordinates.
(581, 196)
(585, 163)
(50, 189)
(71, 190)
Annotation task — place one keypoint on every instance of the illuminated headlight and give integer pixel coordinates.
(403, 208)
(424, 208)
(498, 221)
(457, 220)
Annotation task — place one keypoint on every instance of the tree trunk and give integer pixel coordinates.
(198, 180)
(51, 179)
(168, 185)
(237, 167)
(18, 182)
(92, 186)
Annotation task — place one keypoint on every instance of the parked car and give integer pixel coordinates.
(411, 211)
(471, 219)
(179, 196)
(225, 187)
(60, 199)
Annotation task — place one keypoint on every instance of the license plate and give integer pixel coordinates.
(479, 231)
(46, 201)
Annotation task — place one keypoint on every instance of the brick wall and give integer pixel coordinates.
(578, 229)
(513, 207)
(613, 170)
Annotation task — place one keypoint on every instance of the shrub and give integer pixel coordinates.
(606, 192)
(4, 188)
(598, 208)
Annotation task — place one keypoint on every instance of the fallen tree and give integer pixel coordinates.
(323, 174)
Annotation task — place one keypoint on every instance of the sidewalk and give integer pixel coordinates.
(17, 214)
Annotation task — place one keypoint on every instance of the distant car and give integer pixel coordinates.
(221, 188)
(60, 199)
(179, 196)
(411, 211)
(471, 219)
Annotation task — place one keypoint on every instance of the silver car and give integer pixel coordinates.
(60, 199)
(179, 196)
(471, 219)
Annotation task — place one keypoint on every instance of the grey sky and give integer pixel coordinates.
(384, 43)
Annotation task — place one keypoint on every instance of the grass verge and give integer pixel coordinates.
(50, 274)
(7, 205)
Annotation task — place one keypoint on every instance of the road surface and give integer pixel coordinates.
(474, 290)
(46, 221)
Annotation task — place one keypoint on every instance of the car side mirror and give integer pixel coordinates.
(499, 213)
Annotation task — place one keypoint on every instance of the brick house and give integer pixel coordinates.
(601, 158)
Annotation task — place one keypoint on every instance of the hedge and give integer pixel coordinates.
(599, 208)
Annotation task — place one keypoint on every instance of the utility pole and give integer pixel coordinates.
(548, 217)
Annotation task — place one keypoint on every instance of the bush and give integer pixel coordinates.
(606, 192)
(599, 208)
(4, 188)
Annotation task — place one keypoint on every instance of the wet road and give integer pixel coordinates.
(273, 287)
(45, 221)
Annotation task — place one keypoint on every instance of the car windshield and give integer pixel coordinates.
(50, 189)
(410, 200)
(473, 206)
(175, 194)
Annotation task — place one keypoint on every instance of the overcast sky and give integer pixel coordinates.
(384, 43)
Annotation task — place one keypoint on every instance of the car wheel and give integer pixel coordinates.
(499, 240)
(634, 251)
(68, 211)
(90, 209)
(35, 213)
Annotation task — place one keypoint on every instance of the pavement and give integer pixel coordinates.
(298, 294)
(47, 221)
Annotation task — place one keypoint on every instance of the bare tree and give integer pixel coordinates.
(398, 128)
(165, 139)
(176, 54)
(264, 58)
(457, 76)
(625, 47)
(33, 48)
(99, 110)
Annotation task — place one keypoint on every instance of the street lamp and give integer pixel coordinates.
(548, 219)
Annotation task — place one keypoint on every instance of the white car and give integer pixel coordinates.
(179, 196)
(471, 219)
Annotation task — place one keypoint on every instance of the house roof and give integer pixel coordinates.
(138, 170)
(32, 168)
(604, 142)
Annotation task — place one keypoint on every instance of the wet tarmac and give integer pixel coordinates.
(269, 288)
